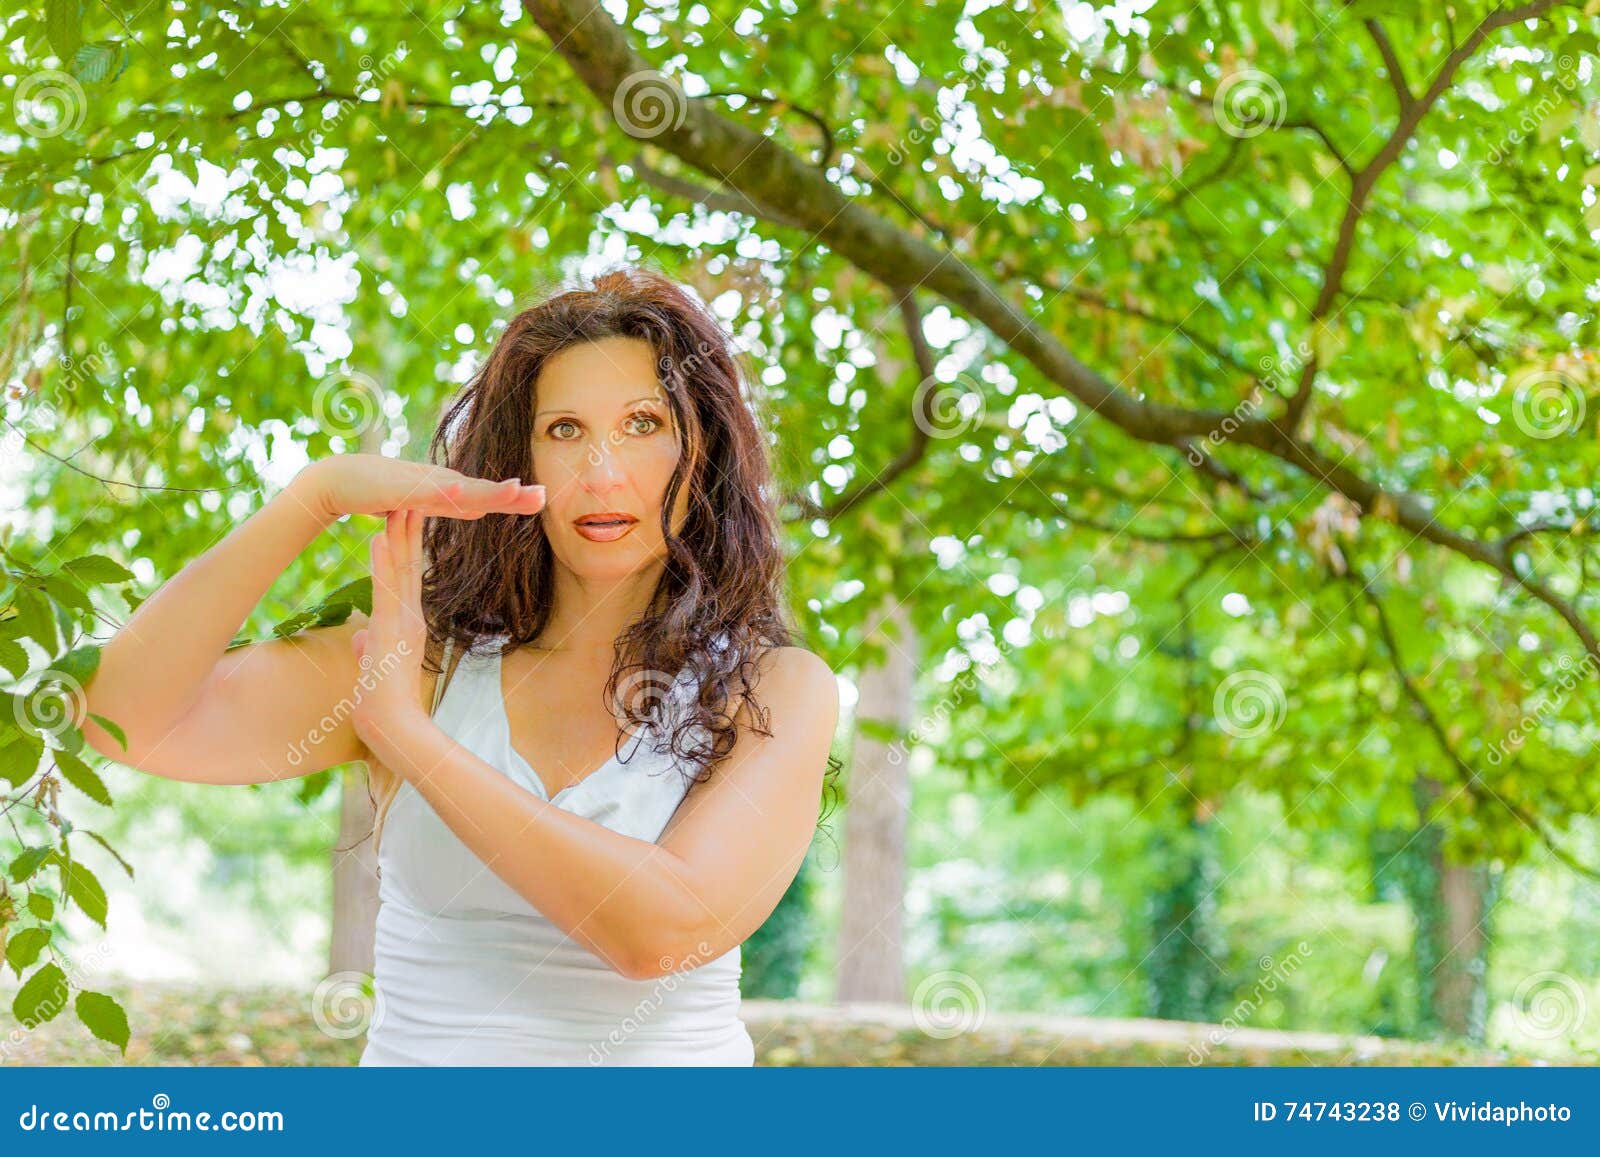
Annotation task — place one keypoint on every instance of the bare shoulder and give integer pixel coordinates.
(797, 688)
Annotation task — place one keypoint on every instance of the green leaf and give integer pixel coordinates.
(25, 865)
(99, 61)
(41, 905)
(24, 947)
(290, 626)
(20, 754)
(80, 664)
(64, 26)
(104, 1017)
(35, 619)
(66, 591)
(41, 997)
(82, 887)
(116, 855)
(83, 777)
(97, 568)
(312, 786)
(13, 658)
(114, 731)
(355, 595)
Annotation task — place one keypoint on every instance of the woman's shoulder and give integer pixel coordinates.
(797, 683)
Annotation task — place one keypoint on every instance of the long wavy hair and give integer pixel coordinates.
(719, 603)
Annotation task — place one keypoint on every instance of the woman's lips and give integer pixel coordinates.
(601, 532)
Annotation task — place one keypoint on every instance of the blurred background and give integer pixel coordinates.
(1184, 419)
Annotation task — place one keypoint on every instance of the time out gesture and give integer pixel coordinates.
(390, 647)
(373, 484)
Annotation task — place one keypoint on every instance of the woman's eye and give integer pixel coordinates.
(656, 422)
(557, 425)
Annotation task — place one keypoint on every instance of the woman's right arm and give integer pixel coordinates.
(193, 710)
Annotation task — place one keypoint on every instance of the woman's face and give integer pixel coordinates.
(604, 443)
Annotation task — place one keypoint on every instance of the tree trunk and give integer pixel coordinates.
(1183, 968)
(355, 864)
(355, 878)
(1450, 905)
(871, 965)
(1466, 892)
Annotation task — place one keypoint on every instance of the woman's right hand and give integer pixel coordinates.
(374, 484)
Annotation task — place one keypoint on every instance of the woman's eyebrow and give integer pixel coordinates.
(636, 401)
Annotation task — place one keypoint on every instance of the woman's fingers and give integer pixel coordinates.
(382, 598)
(414, 549)
(446, 493)
(472, 498)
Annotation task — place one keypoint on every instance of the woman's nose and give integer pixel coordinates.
(601, 464)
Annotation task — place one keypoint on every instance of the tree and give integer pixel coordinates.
(1058, 315)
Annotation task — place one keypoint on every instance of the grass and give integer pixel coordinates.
(179, 1024)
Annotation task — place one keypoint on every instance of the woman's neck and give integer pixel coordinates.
(590, 615)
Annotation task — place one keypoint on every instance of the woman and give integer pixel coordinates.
(540, 903)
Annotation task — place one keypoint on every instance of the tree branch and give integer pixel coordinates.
(1471, 780)
(1391, 64)
(923, 421)
(1412, 110)
(598, 51)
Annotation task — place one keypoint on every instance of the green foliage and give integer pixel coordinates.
(1082, 595)
(774, 956)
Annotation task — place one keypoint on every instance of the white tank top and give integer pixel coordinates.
(467, 972)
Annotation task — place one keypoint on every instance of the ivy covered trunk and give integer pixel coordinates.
(1182, 969)
(1451, 905)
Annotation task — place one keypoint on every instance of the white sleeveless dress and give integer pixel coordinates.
(467, 972)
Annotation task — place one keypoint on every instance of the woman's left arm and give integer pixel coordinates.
(648, 909)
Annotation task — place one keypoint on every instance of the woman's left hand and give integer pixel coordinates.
(390, 647)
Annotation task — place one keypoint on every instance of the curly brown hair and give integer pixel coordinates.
(719, 603)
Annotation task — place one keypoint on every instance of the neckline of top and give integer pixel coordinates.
(494, 673)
